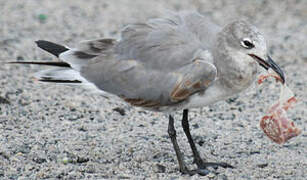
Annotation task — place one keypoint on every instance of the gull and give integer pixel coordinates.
(166, 64)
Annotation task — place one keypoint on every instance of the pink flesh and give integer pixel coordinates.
(264, 77)
(276, 125)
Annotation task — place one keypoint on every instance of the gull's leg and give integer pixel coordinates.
(197, 159)
(183, 168)
(172, 135)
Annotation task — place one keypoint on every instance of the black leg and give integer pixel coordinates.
(182, 166)
(197, 159)
(172, 135)
(186, 129)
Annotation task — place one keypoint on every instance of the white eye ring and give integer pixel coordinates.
(247, 43)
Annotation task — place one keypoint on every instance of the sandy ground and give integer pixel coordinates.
(52, 131)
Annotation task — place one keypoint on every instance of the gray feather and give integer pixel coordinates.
(86, 51)
(167, 44)
(97, 46)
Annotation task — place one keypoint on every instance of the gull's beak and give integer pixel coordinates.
(269, 63)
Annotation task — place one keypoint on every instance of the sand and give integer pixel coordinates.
(51, 131)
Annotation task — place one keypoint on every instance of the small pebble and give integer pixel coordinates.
(160, 168)
(211, 175)
(42, 18)
(65, 160)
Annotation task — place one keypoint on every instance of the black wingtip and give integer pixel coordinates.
(59, 81)
(51, 47)
(58, 64)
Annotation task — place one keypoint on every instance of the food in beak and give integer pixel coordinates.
(264, 77)
(269, 64)
(276, 124)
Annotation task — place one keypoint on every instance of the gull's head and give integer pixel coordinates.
(244, 40)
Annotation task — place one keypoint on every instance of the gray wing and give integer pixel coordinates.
(158, 63)
(169, 43)
(140, 86)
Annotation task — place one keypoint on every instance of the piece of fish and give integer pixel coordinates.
(276, 125)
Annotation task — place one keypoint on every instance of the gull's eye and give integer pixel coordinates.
(247, 43)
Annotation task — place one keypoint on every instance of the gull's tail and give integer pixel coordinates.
(61, 72)
(66, 70)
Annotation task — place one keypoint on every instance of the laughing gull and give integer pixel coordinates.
(169, 64)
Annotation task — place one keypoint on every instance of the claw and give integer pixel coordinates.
(202, 172)
(216, 165)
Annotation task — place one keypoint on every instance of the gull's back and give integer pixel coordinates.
(167, 43)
